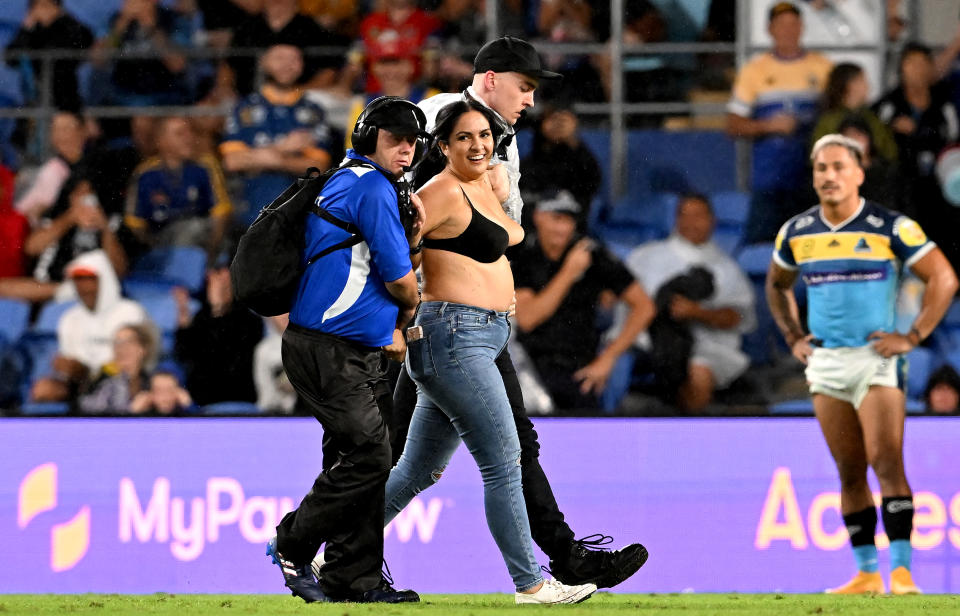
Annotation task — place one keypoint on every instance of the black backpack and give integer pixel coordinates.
(266, 269)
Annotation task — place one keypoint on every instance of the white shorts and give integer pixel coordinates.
(846, 373)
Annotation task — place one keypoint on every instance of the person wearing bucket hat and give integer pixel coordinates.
(507, 71)
(851, 253)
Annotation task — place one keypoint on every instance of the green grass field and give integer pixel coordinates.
(477, 605)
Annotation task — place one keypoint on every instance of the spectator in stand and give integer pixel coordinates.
(139, 27)
(275, 393)
(399, 23)
(165, 396)
(14, 229)
(696, 335)
(47, 26)
(274, 135)
(280, 22)
(120, 157)
(76, 225)
(393, 68)
(942, 393)
(569, 21)
(126, 376)
(924, 121)
(68, 136)
(176, 198)
(559, 160)
(845, 97)
(880, 182)
(85, 332)
(222, 17)
(646, 77)
(216, 345)
(559, 278)
(339, 16)
(774, 104)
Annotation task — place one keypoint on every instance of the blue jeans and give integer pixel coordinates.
(461, 396)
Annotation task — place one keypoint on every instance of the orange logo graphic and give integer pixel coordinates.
(68, 541)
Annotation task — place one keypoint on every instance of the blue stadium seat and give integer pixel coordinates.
(44, 408)
(762, 341)
(179, 265)
(730, 207)
(920, 365)
(801, 406)
(162, 309)
(755, 259)
(728, 239)
(14, 317)
(953, 358)
(49, 317)
(230, 408)
(655, 211)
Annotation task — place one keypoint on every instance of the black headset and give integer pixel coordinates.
(364, 135)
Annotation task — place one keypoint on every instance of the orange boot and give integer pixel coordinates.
(863, 583)
(901, 582)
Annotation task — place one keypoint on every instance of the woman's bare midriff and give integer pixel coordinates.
(450, 277)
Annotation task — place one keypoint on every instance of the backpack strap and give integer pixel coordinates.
(355, 238)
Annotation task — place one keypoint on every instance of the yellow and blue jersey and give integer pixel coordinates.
(766, 86)
(160, 195)
(851, 270)
(266, 117)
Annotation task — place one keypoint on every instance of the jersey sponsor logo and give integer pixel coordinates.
(833, 243)
(910, 233)
(862, 246)
(803, 221)
(874, 221)
(817, 278)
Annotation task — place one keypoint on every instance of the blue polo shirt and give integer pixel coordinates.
(343, 293)
(165, 195)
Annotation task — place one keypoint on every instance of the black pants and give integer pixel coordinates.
(343, 385)
(547, 526)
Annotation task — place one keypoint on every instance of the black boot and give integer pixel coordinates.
(587, 562)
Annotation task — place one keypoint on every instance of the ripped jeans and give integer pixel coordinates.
(460, 396)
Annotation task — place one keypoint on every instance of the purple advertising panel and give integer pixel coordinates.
(186, 505)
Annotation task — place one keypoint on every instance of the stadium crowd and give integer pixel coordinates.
(116, 233)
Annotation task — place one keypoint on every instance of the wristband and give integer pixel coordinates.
(914, 330)
(417, 249)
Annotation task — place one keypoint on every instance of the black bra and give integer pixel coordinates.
(483, 240)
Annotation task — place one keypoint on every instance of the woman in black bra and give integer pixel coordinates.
(460, 328)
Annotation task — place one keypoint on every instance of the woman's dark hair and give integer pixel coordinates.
(836, 89)
(447, 118)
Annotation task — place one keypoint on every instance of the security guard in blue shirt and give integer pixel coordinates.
(343, 324)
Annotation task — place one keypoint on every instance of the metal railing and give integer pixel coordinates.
(615, 111)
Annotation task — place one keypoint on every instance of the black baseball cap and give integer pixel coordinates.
(783, 7)
(399, 116)
(509, 54)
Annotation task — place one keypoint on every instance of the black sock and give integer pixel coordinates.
(897, 512)
(862, 526)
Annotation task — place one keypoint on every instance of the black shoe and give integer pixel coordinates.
(386, 593)
(298, 579)
(587, 562)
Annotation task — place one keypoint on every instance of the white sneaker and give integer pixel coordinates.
(318, 561)
(553, 591)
